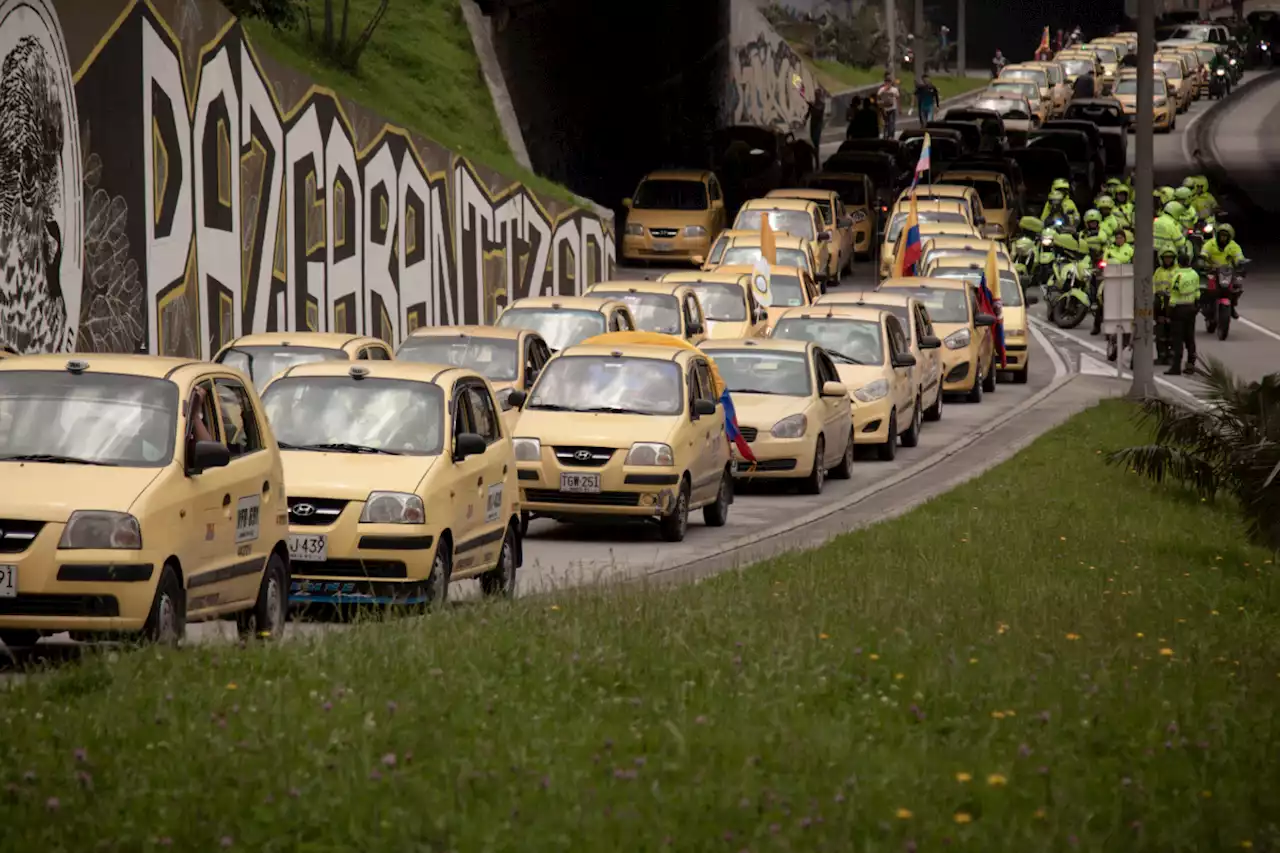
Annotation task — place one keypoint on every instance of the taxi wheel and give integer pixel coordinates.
(989, 380)
(975, 393)
(717, 514)
(500, 582)
(911, 438)
(19, 637)
(676, 524)
(525, 517)
(812, 485)
(1020, 376)
(267, 618)
(844, 470)
(934, 412)
(167, 622)
(441, 570)
(889, 450)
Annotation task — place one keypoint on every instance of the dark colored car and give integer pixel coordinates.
(1108, 117)
(990, 124)
(1083, 156)
(751, 161)
(1040, 166)
(970, 133)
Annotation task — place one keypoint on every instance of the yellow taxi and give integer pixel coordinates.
(674, 215)
(925, 345)
(968, 351)
(835, 219)
(873, 359)
(947, 192)
(792, 410)
(563, 321)
(1031, 73)
(1035, 97)
(1174, 68)
(401, 480)
(667, 307)
(941, 212)
(1109, 57)
(729, 303)
(1164, 103)
(723, 242)
(1059, 88)
(509, 358)
(999, 204)
(140, 493)
(858, 193)
(266, 354)
(1076, 62)
(795, 216)
(965, 249)
(626, 426)
(1014, 299)
(1124, 45)
(1195, 67)
(744, 248)
(789, 287)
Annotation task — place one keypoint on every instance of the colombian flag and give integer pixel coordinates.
(989, 297)
(909, 255)
(731, 427)
(1044, 40)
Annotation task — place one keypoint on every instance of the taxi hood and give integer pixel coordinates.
(351, 476)
(46, 491)
(764, 410)
(854, 376)
(728, 329)
(595, 429)
(666, 218)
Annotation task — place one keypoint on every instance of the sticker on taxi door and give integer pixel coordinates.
(493, 508)
(247, 518)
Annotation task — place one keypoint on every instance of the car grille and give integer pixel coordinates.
(665, 233)
(555, 496)
(324, 511)
(17, 536)
(749, 433)
(584, 457)
(350, 569)
(766, 465)
(42, 604)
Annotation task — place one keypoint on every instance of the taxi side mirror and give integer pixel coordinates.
(759, 315)
(468, 444)
(904, 359)
(703, 407)
(834, 389)
(516, 398)
(205, 455)
(698, 260)
(929, 342)
(984, 320)
(824, 237)
(845, 222)
(697, 329)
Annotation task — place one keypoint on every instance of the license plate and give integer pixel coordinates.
(308, 548)
(580, 483)
(8, 581)
(664, 246)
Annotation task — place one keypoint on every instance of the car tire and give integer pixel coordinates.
(716, 514)
(889, 450)
(500, 581)
(1020, 377)
(812, 485)
(975, 393)
(911, 438)
(675, 524)
(266, 620)
(166, 624)
(15, 638)
(989, 380)
(437, 585)
(525, 517)
(934, 412)
(844, 470)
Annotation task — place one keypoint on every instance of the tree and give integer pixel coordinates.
(1229, 446)
(337, 45)
(281, 14)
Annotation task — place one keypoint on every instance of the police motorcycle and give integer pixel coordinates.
(1067, 293)
(1220, 290)
(1220, 83)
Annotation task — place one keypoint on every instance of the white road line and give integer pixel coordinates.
(1187, 137)
(1258, 328)
(1059, 363)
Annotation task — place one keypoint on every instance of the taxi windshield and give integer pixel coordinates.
(662, 194)
(722, 243)
(1077, 66)
(721, 301)
(559, 327)
(1006, 107)
(784, 292)
(751, 254)
(583, 383)
(653, 312)
(1010, 290)
(795, 222)
(338, 413)
(989, 190)
(1171, 69)
(851, 341)
(1106, 54)
(945, 306)
(899, 311)
(1025, 88)
(930, 216)
(90, 419)
(1127, 86)
(764, 372)
(263, 362)
(497, 359)
(1034, 76)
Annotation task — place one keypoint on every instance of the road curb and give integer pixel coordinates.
(1202, 133)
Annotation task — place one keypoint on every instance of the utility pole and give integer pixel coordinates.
(1144, 383)
(921, 66)
(891, 33)
(961, 66)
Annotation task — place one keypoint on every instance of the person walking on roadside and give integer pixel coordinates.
(927, 100)
(817, 116)
(887, 98)
(998, 62)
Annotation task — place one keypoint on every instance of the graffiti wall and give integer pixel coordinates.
(762, 66)
(165, 187)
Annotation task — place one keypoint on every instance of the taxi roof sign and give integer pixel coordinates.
(358, 371)
(77, 366)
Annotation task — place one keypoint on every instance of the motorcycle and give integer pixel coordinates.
(1070, 302)
(1219, 84)
(1220, 292)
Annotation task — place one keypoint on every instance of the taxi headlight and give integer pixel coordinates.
(794, 426)
(694, 231)
(873, 391)
(99, 529)
(958, 339)
(1162, 102)
(650, 453)
(393, 508)
(527, 449)
(635, 230)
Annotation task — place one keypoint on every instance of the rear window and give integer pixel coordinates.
(930, 216)
(795, 222)
(1010, 290)
(989, 191)
(1171, 69)
(851, 192)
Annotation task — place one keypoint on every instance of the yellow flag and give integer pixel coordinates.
(993, 274)
(768, 246)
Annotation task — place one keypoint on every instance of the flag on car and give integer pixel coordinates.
(1044, 40)
(923, 164)
(731, 427)
(909, 254)
(990, 302)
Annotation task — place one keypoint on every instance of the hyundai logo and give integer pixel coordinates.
(303, 510)
(582, 455)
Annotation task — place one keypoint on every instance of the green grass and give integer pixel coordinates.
(836, 76)
(420, 71)
(1068, 655)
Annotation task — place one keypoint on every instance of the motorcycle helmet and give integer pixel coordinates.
(1168, 253)
(1165, 194)
(1031, 224)
(1057, 197)
(1061, 184)
(1183, 194)
(1122, 190)
(1174, 209)
(1105, 204)
(1047, 236)
(1191, 182)
(1092, 217)
(1225, 228)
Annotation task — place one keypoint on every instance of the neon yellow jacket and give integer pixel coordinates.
(1229, 254)
(1114, 254)
(1185, 287)
(1169, 234)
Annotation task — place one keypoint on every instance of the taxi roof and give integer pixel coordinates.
(505, 332)
(627, 350)
(332, 340)
(647, 285)
(1027, 66)
(948, 241)
(748, 269)
(852, 312)
(779, 204)
(1003, 263)
(933, 205)
(922, 283)
(970, 174)
(152, 366)
(857, 297)
(570, 303)
(946, 191)
(412, 371)
(717, 276)
(810, 193)
(774, 344)
(678, 175)
(782, 241)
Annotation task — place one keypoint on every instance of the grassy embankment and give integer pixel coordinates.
(836, 76)
(1057, 656)
(419, 71)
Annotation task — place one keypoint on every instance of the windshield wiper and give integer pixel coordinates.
(751, 391)
(551, 407)
(848, 359)
(55, 458)
(340, 447)
(614, 410)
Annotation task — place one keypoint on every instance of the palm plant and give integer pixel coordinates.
(1230, 445)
